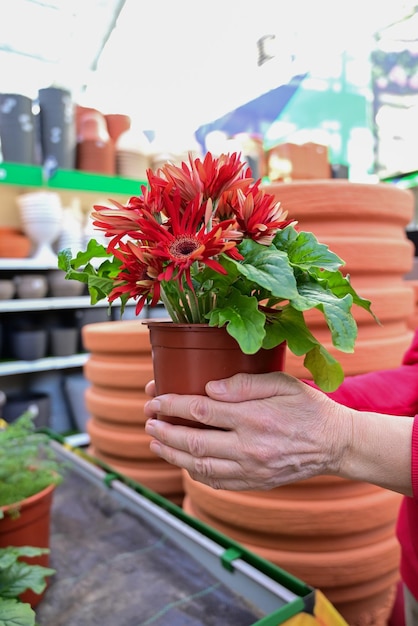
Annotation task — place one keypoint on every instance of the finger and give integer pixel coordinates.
(194, 408)
(196, 442)
(217, 473)
(150, 388)
(252, 387)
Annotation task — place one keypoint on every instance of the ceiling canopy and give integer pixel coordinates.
(177, 60)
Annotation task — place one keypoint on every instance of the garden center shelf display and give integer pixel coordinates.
(51, 372)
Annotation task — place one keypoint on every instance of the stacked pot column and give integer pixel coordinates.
(335, 534)
(365, 225)
(118, 368)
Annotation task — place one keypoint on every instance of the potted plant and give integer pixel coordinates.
(217, 250)
(29, 473)
(17, 577)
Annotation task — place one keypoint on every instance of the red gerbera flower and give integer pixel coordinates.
(209, 178)
(121, 220)
(138, 276)
(187, 239)
(259, 216)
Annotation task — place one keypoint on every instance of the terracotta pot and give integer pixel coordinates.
(364, 224)
(30, 528)
(342, 543)
(117, 124)
(115, 405)
(118, 368)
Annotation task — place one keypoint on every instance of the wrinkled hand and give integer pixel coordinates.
(267, 430)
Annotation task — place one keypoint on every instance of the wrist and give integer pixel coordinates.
(341, 427)
(378, 451)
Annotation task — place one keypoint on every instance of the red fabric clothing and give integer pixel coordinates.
(394, 392)
(407, 529)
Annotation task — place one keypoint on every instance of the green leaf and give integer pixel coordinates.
(326, 371)
(244, 321)
(337, 313)
(22, 576)
(10, 555)
(284, 238)
(94, 250)
(15, 613)
(341, 323)
(64, 259)
(267, 268)
(307, 252)
(341, 286)
(290, 325)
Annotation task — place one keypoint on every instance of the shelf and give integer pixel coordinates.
(48, 304)
(22, 175)
(52, 304)
(25, 264)
(407, 180)
(8, 368)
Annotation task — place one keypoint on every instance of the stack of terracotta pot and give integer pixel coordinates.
(336, 534)
(118, 368)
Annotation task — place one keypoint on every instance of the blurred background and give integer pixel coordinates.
(341, 74)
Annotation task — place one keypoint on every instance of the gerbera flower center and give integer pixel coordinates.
(184, 246)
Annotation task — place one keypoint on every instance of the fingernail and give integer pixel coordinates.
(150, 425)
(217, 386)
(155, 405)
(155, 447)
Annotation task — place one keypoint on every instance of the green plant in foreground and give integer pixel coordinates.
(27, 463)
(16, 577)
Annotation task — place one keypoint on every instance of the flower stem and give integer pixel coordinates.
(170, 309)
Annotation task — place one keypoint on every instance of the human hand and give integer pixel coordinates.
(266, 430)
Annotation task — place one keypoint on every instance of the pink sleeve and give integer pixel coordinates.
(393, 391)
(414, 461)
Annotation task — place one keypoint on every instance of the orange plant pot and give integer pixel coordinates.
(118, 368)
(365, 225)
(30, 528)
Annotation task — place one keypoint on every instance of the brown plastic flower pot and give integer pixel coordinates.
(187, 356)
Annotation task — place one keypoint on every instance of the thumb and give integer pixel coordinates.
(241, 387)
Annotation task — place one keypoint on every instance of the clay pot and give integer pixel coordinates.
(95, 148)
(331, 535)
(365, 225)
(187, 356)
(60, 287)
(96, 156)
(30, 528)
(31, 285)
(14, 244)
(117, 124)
(7, 289)
(118, 368)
